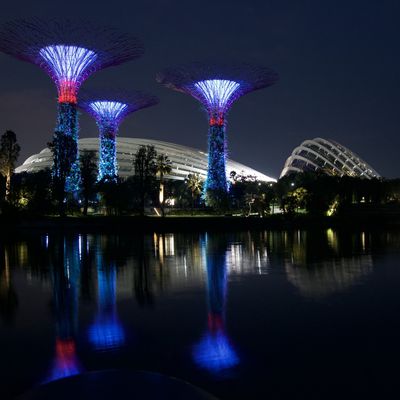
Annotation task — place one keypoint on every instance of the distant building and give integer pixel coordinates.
(185, 160)
(327, 156)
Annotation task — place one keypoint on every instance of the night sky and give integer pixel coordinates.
(339, 66)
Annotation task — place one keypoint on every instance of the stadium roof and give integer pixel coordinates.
(185, 160)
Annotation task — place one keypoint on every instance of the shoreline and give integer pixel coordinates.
(115, 224)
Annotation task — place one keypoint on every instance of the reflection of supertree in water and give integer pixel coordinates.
(69, 52)
(217, 87)
(109, 109)
(215, 352)
(106, 333)
(66, 284)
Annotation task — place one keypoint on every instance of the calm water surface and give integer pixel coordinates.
(277, 315)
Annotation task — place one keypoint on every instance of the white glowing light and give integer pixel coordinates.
(68, 63)
(108, 110)
(217, 92)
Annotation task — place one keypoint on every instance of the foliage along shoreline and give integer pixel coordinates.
(136, 224)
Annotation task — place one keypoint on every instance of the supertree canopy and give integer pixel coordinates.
(69, 51)
(109, 109)
(217, 87)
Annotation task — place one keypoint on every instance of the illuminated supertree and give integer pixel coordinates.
(69, 52)
(215, 352)
(109, 109)
(217, 87)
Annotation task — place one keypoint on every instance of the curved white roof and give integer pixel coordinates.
(185, 160)
(329, 156)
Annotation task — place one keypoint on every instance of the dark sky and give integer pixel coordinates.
(339, 66)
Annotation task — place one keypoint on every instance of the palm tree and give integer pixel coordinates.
(195, 185)
(9, 152)
(145, 172)
(164, 167)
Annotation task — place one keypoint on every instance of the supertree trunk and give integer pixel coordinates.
(216, 187)
(108, 154)
(67, 124)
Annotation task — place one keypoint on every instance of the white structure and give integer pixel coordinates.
(185, 160)
(328, 156)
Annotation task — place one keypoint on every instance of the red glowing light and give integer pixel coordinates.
(67, 92)
(217, 121)
(215, 323)
(65, 349)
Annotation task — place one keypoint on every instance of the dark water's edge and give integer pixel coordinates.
(187, 223)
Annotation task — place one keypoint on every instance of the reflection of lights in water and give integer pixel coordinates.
(66, 362)
(363, 241)
(322, 279)
(169, 245)
(22, 250)
(106, 333)
(332, 239)
(259, 262)
(214, 352)
(236, 255)
(185, 265)
(80, 246)
(240, 260)
(155, 243)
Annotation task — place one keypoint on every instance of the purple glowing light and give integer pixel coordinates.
(69, 66)
(218, 94)
(109, 111)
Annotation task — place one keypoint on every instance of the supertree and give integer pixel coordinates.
(109, 109)
(69, 51)
(217, 87)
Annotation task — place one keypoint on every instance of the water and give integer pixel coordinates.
(302, 314)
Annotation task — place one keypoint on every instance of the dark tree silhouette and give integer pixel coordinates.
(9, 152)
(145, 173)
(164, 167)
(88, 176)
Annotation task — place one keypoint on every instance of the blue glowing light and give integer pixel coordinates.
(108, 115)
(108, 166)
(216, 173)
(215, 353)
(108, 111)
(106, 333)
(69, 66)
(218, 93)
